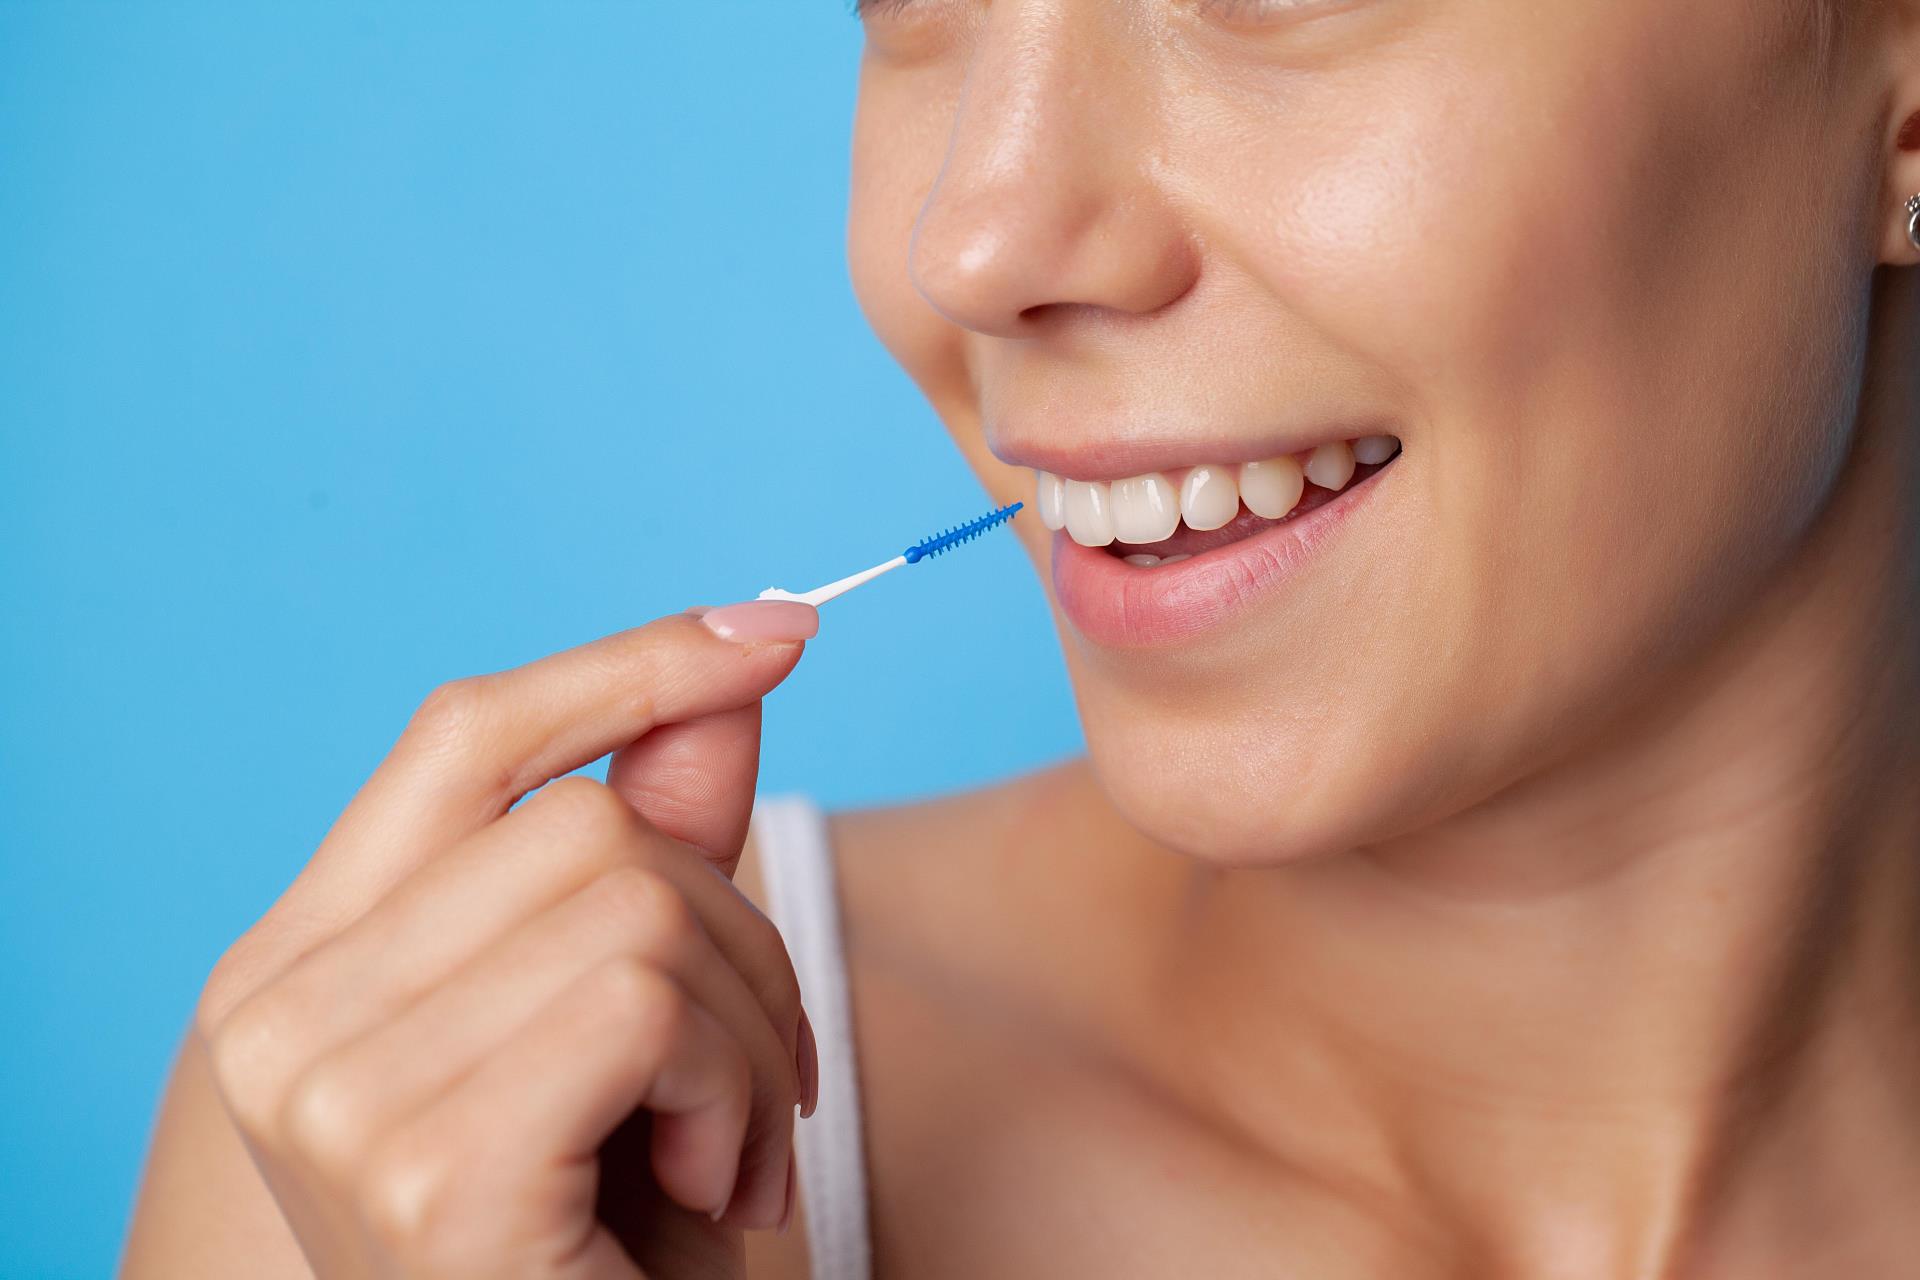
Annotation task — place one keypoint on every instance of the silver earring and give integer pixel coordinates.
(1913, 220)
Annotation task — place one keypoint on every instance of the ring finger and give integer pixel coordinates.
(401, 1066)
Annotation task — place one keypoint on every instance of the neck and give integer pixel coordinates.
(1646, 1007)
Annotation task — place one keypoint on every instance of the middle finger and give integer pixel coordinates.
(376, 1082)
(447, 912)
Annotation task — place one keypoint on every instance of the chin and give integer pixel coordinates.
(1229, 795)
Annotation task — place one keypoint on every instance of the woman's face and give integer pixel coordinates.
(1601, 268)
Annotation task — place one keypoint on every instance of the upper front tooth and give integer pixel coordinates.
(1089, 512)
(1049, 496)
(1331, 465)
(1209, 497)
(1270, 488)
(1372, 449)
(1145, 508)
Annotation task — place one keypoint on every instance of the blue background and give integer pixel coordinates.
(348, 348)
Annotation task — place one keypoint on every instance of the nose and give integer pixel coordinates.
(1052, 195)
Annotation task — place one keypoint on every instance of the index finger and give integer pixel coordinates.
(477, 745)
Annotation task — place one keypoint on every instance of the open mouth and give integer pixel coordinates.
(1163, 518)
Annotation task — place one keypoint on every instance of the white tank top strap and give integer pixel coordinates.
(796, 860)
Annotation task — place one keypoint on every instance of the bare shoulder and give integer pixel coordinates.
(947, 912)
(918, 883)
(902, 867)
(881, 856)
(939, 868)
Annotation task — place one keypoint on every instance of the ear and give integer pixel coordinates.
(1903, 195)
(1903, 141)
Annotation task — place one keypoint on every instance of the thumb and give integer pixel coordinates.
(694, 780)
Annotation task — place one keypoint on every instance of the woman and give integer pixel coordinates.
(1505, 864)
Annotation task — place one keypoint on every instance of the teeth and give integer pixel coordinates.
(1145, 509)
(1149, 508)
(1331, 465)
(1209, 497)
(1089, 512)
(1372, 449)
(1142, 559)
(1271, 488)
(1050, 497)
(1175, 559)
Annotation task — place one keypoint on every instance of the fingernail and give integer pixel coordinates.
(719, 1211)
(763, 620)
(786, 1214)
(809, 1066)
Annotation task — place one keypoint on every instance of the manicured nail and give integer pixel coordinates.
(786, 1214)
(763, 620)
(809, 1065)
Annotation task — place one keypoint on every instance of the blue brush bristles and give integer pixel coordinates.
(955, 536)
(912, 555)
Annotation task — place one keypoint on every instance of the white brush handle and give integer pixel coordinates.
(820, 595)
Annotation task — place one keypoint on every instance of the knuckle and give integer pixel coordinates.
(764, 934)
(644, 905)
(218, 995)
(236, 975)
(450, 712)
(326, 1118)
(247, 1052)
(583, 805)
(403, 1196)
(638, 996)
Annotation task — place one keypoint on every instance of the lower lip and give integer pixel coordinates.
(1123, 606)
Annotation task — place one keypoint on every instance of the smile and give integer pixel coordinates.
(1161, 513)
(1158, 557)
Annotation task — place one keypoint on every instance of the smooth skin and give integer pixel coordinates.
(1532, 887)
(479, 1037)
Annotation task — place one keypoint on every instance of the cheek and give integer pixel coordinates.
(1601, 341)
(1597, 338)
(1441, 215)
(1565, 272)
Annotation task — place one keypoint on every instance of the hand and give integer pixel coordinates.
(475, 1039)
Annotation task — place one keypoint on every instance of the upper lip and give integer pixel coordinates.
(1114, 455)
